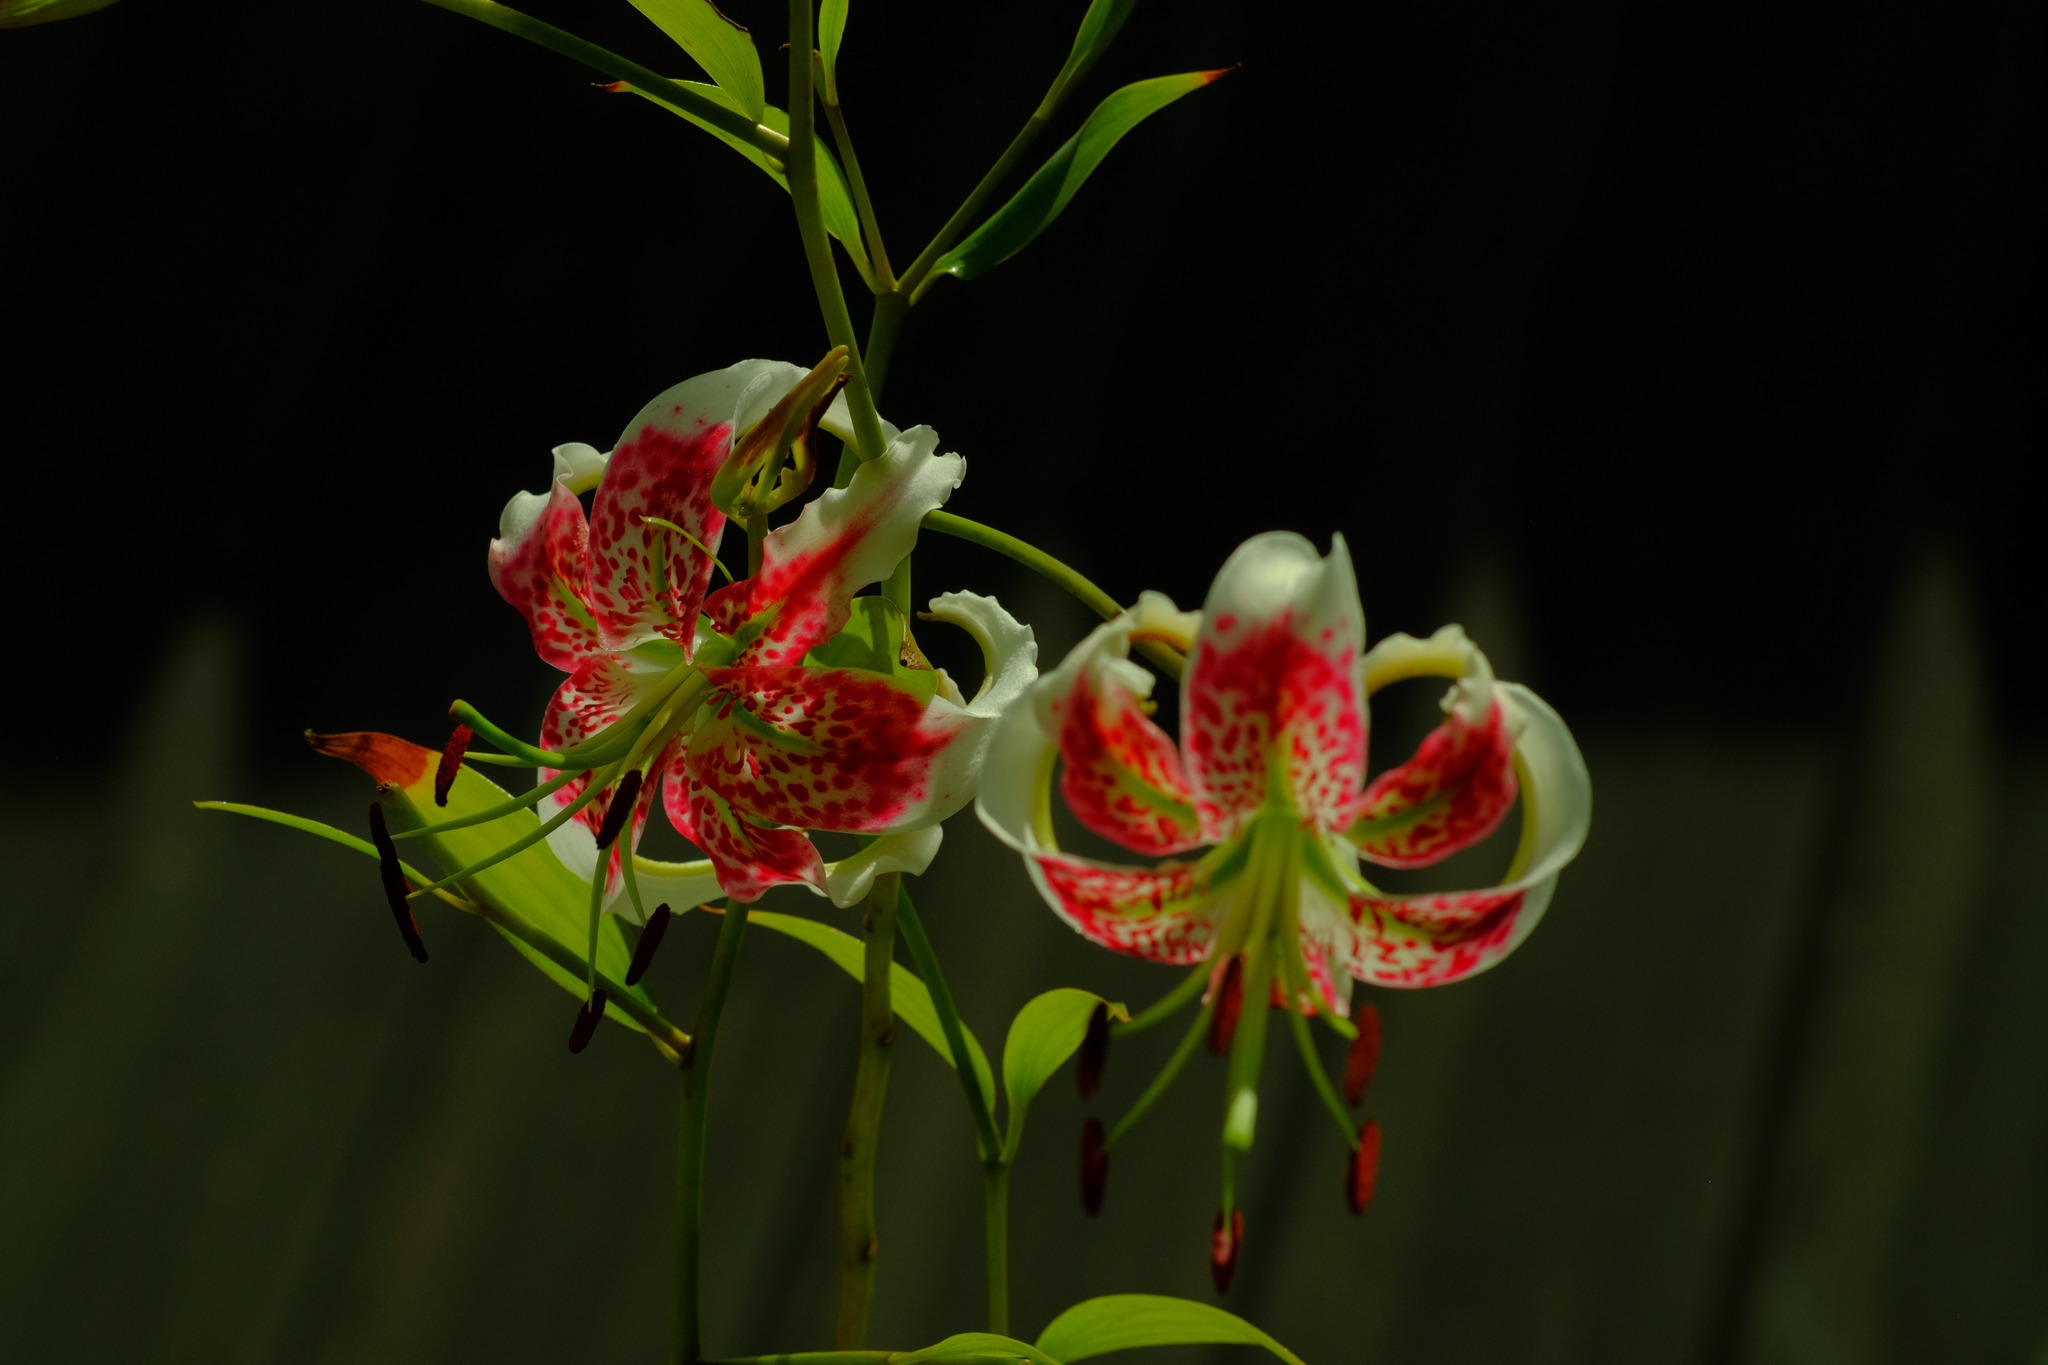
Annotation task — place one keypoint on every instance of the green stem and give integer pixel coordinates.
(1168, 1005)
(995, 1204)
(1170, 660)
(687, 1346)
(870, 226)
(1188, 1043)
(858, 1241)
(890, 311)
(927, 964)
(1305, 1041)
(802, 173)
(756, 135)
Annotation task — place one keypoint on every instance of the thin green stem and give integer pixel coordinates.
(1191, 1040)
(1306, 1043)
(1171, 661)
(859, 1243)
(927, 963)
(465, 714)
(883, 329)
(995, 1205)
(1168, 1005)
(495, 812)
(802, 173)
(756, 135)
(672, 1040)
(687, 1348)
(870, 226)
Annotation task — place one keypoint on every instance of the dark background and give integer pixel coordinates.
(1688, 359)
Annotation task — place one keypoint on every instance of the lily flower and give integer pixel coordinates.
(1269, 776)
(778, 704)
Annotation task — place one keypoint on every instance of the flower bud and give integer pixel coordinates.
(1094, 1166)
(773, 461)
(1364, 1057)
(1362, 1170)
(650, 939)
(587, 1016)
(1229, 1004)
(1094, 1052)
(1223, 1248)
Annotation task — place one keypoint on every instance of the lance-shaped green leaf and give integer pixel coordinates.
(912, 1001)
(22, 13)
(1099, 27)
(979, 1348)
(831, 31)
(1043, 1035)
(716, 43)
(835, 200)
(1125, 1322)
(1044, 197)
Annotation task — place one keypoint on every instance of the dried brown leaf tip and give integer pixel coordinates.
(650, 939)
(451, 762)
(1094, 1166)
(396, 889)
(1224, 1242)
(1094, 1052)
(587, 1016)
(1229, 1004)
(1364, 1057)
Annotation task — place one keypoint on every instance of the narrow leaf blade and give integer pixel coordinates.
(980, 1348)
(716, 43)
(912, 1001)
(1124, 1322)
(831, 31)
(1044, 197)
(1044, 1034)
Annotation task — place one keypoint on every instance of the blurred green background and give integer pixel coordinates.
(1688, 365)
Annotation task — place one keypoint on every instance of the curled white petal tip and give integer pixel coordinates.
(848, 881)
(579, 467)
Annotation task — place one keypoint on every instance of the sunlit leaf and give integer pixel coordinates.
(1044, 197)
(1125, 1322)
(831, 29)
(721, 47)
(1042, 1036)
(913, 1003)
(1098, 30)
(835, 200)
(980, 1348)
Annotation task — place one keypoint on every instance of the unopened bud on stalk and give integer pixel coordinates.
(1229, 1004)
(1362, 1171)
(451, 762)
(1094, 1166)
(1364, 1057)
(773, 461)
(587, 1016)
(1094, 1052)
(650, 939)
(1223, 1247)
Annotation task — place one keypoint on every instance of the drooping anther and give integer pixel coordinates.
(1223, 1248)
(1229, 1004)
(396, 888)
(451, 762)
(616, 814)
(1362, 1171)
(1364, 1057)
(1094, 1166)
(587, 1016)
(650, 939)
(1094, 1052)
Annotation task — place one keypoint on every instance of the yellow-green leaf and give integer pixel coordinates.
(1125, 1322)
(716, 43)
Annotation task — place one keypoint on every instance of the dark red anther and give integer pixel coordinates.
(1223, 1248)
(650, 939)
(396, 888)
(1094, 1052)
(1229, 1004)
(616, 813)
(587, 1016)
(451, 762)
(1364, 1057)
(1094, 1166)
(1362, 1172)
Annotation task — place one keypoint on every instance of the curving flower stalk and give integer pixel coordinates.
(775, 705)
(1269, 777)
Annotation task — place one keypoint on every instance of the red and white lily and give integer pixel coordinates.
(715, 699)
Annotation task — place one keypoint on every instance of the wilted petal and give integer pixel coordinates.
(1274, 669)
(844, 540)
(1432, 939)
(1461, 781)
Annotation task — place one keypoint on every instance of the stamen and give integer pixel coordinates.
(1094, 1166)
(1223, 1248)
(451, 762)
(1364, 1057)
(620, 810)
(396, 888)
(650, 939)
(1229, 1004)
(1094, 1052)
(667, 525)
(587, 1016)
(1362, 1167)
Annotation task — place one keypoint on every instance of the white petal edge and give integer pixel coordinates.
(848, 881)
(1448, 653)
